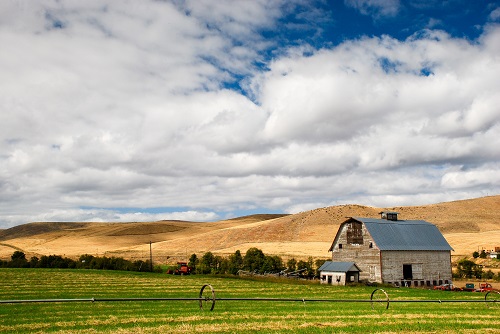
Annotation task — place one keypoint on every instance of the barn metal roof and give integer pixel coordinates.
(339, 267)
(405, 234)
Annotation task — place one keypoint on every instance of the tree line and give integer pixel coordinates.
(470, 269)
(254, 261)
(86, 261)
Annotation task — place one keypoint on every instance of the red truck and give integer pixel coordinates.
(483, 287)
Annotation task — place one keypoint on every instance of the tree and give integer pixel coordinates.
(18, 256)
(85, 261)
(254, 259)
(193, 262)
(475, 254)
(483, 255)
(272, 264)
(291, 264)
(488, 274)
(19, 260)
(207, 262)
(235, 263)
(219, 265)
(34, 262)
(318, 263)
(469, 269)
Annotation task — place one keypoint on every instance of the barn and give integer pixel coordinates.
(393, 251)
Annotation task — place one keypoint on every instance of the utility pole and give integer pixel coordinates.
(150, 256)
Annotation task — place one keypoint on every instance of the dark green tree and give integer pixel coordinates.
(317, 264)
(306, 267)
(291, 264)
(34, 262)
(219, 265)
(272, 264)
(235, 263)
(483, 255)
(193, 262)
(488, 274)
(18, 260)
(18, 255)
(253, 260)
(468, 269)
(475, 254)
(207, 262)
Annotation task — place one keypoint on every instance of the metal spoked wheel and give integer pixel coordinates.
(492, 298)
(207, 297)
(379, 300)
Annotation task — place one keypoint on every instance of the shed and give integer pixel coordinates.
(339, 273)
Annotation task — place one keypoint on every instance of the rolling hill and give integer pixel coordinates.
(468, 225)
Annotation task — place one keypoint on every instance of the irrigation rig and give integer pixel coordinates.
(379, 299)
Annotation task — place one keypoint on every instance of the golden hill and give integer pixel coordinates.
(468, 225)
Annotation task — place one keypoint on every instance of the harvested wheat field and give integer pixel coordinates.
(468, 225)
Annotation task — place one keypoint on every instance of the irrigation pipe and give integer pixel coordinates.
(207, 296)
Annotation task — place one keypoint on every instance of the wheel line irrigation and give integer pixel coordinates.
(207, 299)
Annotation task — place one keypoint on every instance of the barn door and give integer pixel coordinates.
(407, 272)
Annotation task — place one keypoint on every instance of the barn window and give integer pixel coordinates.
(355, 233)
(340, 246)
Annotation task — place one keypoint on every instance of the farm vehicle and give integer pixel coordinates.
(469, 287)
(182, 269)
(483, 287)
(447, 287)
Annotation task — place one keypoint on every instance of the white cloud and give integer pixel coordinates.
(123, 106)
(478, 177)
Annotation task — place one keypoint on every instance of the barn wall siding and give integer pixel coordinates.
(435, 265)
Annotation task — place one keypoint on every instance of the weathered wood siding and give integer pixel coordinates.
(366, 257)
(427, 266)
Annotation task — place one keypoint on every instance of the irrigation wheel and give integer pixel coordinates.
(207, 296)
(379, 299)
(492, 298)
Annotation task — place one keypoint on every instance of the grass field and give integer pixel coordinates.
(227, 316)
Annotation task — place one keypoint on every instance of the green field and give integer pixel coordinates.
(228, 316)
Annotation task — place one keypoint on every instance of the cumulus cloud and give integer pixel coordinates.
(110, 105)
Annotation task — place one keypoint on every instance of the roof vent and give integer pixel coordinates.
(389, 215)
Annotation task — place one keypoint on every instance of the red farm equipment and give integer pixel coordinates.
(182, 269)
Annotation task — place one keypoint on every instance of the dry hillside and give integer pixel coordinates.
(468, 225)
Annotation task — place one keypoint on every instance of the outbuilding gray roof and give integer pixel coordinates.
(339, 267)
(416, 235)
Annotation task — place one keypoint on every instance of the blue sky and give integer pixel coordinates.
(205, 110)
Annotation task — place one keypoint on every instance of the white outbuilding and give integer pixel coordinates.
(339, 273)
